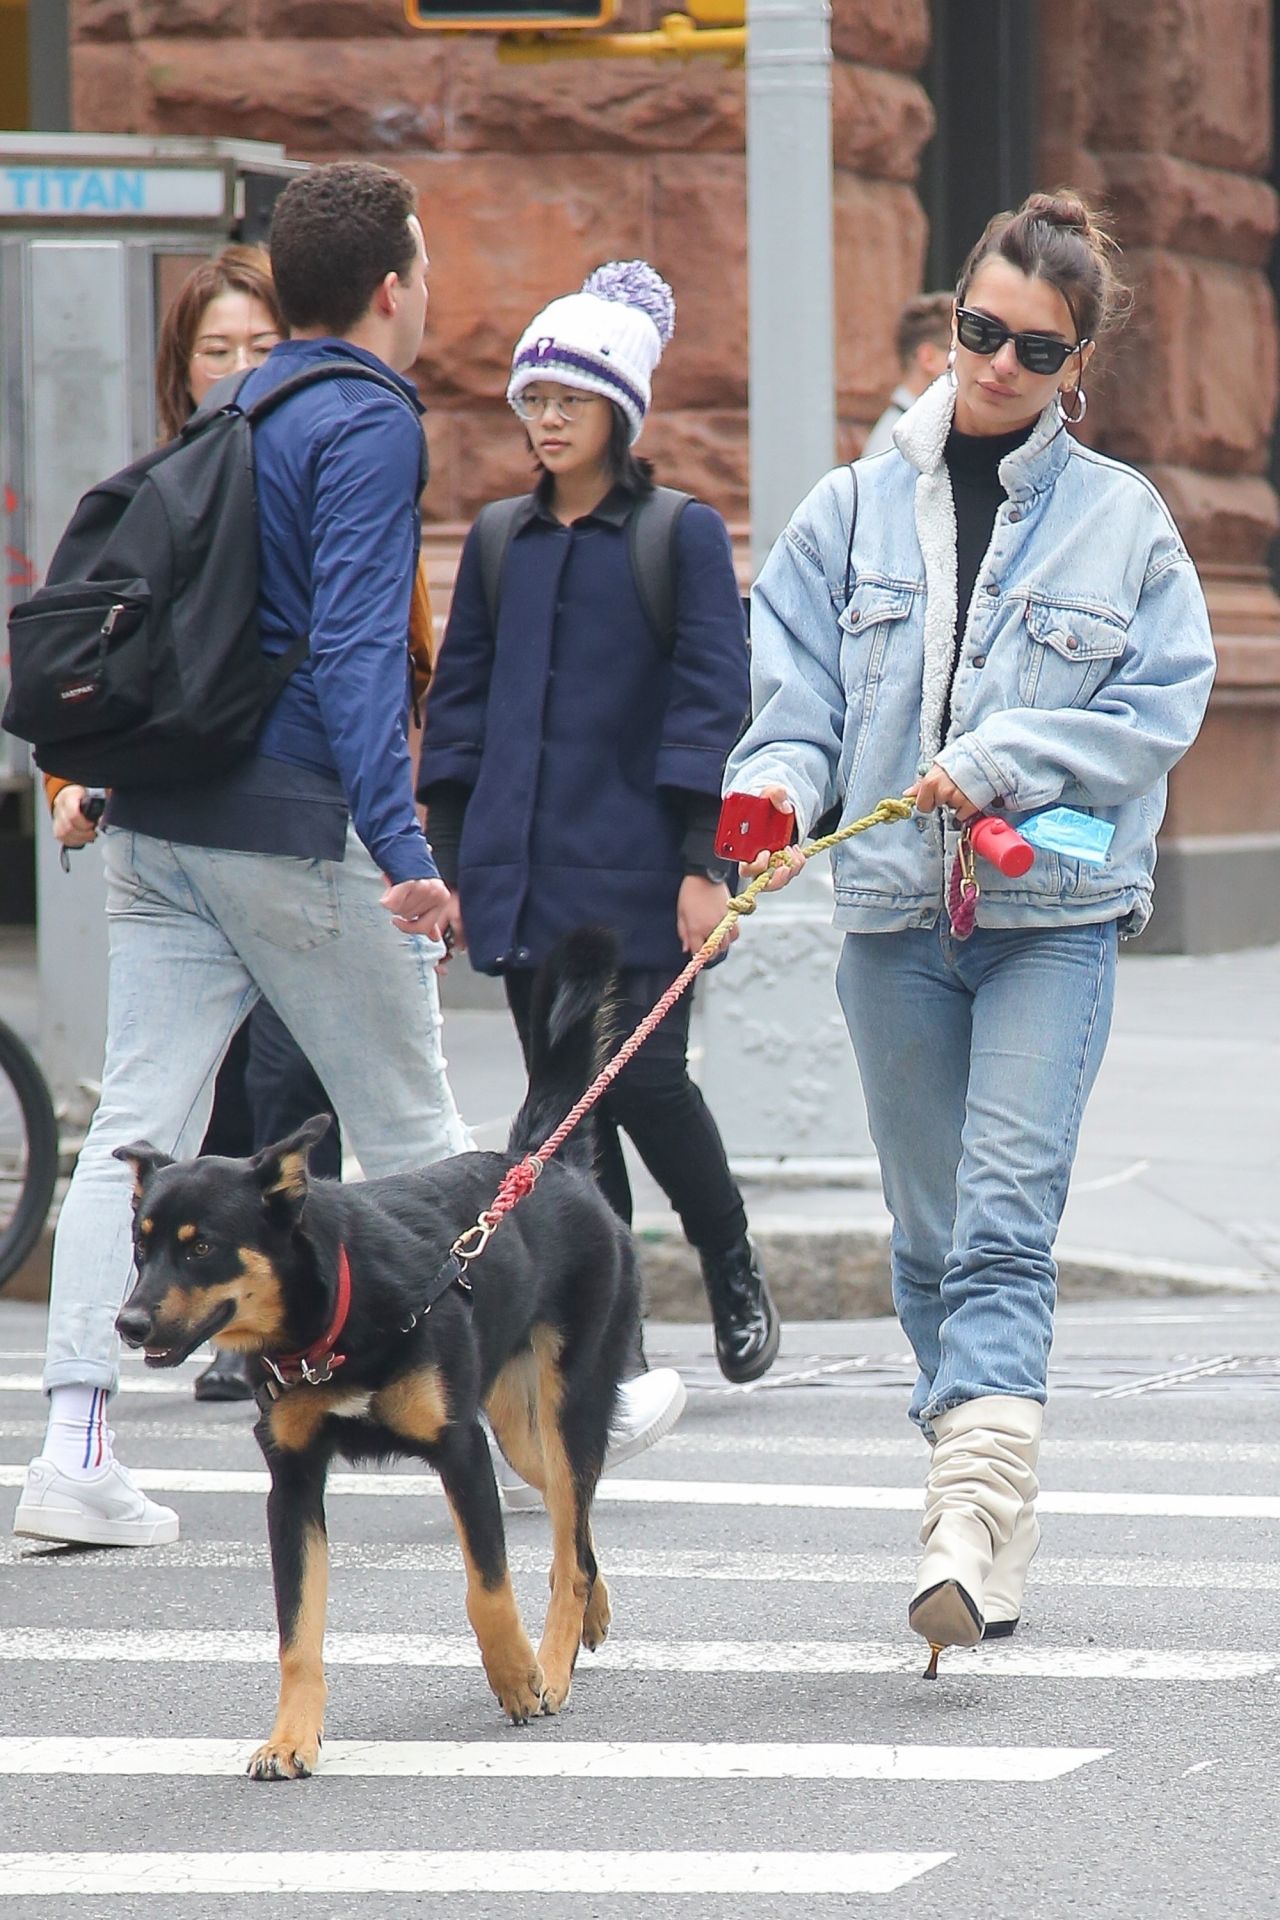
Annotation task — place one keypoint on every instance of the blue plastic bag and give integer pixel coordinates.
(1063, 830)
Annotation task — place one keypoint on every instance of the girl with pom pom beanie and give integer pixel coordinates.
(573, 756)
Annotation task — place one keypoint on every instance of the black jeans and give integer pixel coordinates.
(654, 1101)
(266, 1088)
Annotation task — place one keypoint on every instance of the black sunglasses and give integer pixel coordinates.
(1038, 352)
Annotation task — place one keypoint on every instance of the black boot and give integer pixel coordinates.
(225, 1378)
(742, 1310)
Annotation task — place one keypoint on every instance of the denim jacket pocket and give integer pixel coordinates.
(1069, 654)
(865, 629)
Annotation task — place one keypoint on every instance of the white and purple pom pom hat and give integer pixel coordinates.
(607, 338)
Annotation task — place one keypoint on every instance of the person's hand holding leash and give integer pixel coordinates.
(782, 876)
(417, 906)
(938, 789)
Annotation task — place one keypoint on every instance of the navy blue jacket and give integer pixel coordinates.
(339, 471)
(577, 742)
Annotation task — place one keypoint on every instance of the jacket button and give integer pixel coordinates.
(521, 956)
(1072, 643)
(854, 617)
(1015, 513)
(990, 586)
(979, 659)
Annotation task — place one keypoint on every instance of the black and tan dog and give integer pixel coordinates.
(327, 1285)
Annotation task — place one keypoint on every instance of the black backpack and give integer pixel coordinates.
(651, 532)
(139, 662)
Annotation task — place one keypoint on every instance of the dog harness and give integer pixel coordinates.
(315, 1366)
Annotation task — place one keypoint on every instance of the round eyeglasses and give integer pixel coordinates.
(531, 405)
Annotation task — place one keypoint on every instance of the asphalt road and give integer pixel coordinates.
(756, 1730)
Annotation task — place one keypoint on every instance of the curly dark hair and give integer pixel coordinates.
(336, 233)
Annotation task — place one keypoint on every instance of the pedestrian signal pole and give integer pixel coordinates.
(789, 252)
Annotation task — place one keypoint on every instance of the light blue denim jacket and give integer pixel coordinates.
(1083, 674)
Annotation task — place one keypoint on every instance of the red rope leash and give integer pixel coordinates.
(519, 1180)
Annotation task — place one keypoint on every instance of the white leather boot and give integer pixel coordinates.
(1002, 1596)
(981, 1477)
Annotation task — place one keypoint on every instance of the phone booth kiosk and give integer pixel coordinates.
(96, 235)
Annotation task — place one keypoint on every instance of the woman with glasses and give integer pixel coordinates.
(995, 618)
(573, 752)
(225, 319)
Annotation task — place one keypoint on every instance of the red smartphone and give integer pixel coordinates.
(751, 825)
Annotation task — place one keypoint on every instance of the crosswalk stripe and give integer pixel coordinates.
(527, 1871)
(697, 1565)
(563, 1760)
(170, 1428)
(998, 1660)
(728, 1493)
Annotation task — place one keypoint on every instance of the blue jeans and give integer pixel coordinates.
(976, 1059)
(196, 935)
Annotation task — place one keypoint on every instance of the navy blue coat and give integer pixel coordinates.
(578, 743)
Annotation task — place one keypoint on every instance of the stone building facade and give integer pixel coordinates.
(530, 175)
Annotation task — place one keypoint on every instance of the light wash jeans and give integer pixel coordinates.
(976, 1059)
(196, 935)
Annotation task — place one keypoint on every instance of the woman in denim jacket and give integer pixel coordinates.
(1010, 622)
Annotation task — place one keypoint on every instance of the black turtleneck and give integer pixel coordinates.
(973, 461)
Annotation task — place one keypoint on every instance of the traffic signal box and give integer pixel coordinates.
(509, 16)
(537, 30)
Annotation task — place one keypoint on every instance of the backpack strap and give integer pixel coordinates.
(311, 377)
(224, 396)
(651, 536)
(853, 521)
(495, 524)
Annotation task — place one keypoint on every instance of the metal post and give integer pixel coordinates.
(791, 283)
(777, 1068)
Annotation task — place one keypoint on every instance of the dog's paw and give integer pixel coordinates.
(596, 1619)
(521, 1695)
(285, 1759)
(555, 1694)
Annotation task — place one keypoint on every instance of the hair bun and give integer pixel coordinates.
(1060, 210)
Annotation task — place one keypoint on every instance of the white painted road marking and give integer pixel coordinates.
(725, 1493)
(999, 1660)
(697, 1564)
(525, 1872)
(565, 1760)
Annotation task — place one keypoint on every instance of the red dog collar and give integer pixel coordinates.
(315, 1366)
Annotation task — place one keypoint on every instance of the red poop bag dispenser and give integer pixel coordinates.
(751, 825)
(994, 839)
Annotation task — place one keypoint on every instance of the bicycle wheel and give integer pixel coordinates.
(28, 1152)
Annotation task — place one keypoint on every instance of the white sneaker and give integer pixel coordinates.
(103, 1509)
(648, 1408)
(517, 1495)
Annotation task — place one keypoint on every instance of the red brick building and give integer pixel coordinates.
(530, 175)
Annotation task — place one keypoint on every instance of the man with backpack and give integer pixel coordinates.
(298, 870)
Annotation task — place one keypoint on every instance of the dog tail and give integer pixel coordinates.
(570, 1031)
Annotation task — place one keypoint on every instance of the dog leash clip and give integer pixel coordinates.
(471, 1244)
